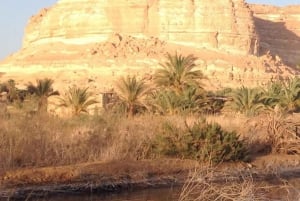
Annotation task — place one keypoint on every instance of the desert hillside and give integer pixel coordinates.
(237, 44)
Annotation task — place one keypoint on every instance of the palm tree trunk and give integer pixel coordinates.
(42, 105)
(131, 110)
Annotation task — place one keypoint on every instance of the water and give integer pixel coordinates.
(161, 194)
(276, 192)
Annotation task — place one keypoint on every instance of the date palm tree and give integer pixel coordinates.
(178, 72)
(131, 93)
(191, 100)
(290, 98)
(272, 94)
(78, 99)
(43, 89)
(286, 95)
(246, 100)
(10, 88)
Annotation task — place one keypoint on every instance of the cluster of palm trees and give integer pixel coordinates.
(78, 99)
(176, 89)
(281, 96)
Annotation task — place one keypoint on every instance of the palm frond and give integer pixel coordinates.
(132, 93)
(246, 100)
(178, 72)
(78, 99)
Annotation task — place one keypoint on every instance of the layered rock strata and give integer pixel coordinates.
(279, 31)
(94, 42)
(224, 25)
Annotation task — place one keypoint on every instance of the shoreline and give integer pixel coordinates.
(124, 175)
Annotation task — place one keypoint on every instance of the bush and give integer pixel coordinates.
(202, 141)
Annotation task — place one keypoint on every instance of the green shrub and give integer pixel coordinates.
(202, 141)
(171, 141)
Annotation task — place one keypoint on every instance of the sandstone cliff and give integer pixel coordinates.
(225, 25)
(100, 40)
(279, 31)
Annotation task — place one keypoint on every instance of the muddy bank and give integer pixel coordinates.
(110, 176)
(124, 175)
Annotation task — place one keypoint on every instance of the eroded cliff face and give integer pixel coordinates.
(279, 31)
(224, 25)
(94, 42)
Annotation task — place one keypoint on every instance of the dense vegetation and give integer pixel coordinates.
(138, 124)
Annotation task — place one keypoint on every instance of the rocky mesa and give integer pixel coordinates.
(100, 40)
(221, 25)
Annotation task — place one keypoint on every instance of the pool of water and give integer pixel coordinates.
(161, 194)
(274, 192)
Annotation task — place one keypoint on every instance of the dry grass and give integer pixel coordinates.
(282, 135)
(265, 133)
(44, 140)
(207, 184)
(41, 140)
(201, 186)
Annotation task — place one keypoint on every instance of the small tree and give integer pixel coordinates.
(78, 99)
(43, 90)
(202, 141)
(179, 86)
(131, 93)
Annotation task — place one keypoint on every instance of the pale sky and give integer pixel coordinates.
(15, 14)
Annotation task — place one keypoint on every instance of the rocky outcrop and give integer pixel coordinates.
(279, 31)
(220, 25)
(97, 41)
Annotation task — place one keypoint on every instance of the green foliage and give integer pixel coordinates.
(171, 141)
(178, 72)
(246, 100)
(203, 141)
(10, 88)
(42, 90)
(179, 87)
(216, 100)
(290, 98)
(284, 94)
(190, 100)
(78, 99)
(272, 94)
(131, 93)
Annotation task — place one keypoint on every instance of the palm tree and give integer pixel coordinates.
(166, 101)
(178, 72)
(291, 95)
(42, 90)
(79, 99)
(131, 93)
(247, 101)
(284, 94)
(10, 88)
(273, 93)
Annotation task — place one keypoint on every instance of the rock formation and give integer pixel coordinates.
(93, 42)
(224, 25)
(279, 31)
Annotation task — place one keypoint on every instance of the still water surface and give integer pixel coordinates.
(161, 194)
(172, 194)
